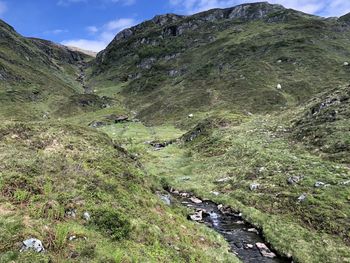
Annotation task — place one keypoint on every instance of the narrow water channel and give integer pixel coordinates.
(245, 241)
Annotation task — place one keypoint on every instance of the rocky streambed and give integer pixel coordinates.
(244, 239)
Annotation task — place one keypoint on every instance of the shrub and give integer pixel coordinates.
(111, 223)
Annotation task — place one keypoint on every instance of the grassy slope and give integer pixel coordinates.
(238, 147)
(48, 169)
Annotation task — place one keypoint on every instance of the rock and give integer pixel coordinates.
(253, 230)
(261, 169)
(71, 213)
(248, 246)
(71, 238)
(190, 115)
(87, 216)
(279, 61)
(346, 63)
(254, 187)
(185, 178)
(198, 216)
(185, 195)
(117, 118)
(279, 86)
(302, 198)
(214, 193)
(294, 180)
(147, 63)
(223, 180)
(319, 184)
(196, 200)
(265, 251)
(33, 244)
(165, 199)
(346, 182)
(96, 124)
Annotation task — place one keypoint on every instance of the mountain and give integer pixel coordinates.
(247, 107)
(35, 74)
(254, 57)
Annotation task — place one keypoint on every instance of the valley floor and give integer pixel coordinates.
(235, 153)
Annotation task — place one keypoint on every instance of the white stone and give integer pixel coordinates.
(279, 86)
(34, 244)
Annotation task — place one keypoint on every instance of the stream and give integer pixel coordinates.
(245, 241)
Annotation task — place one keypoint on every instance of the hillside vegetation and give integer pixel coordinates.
(250, 106)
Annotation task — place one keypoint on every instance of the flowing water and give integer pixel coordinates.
(242, 237)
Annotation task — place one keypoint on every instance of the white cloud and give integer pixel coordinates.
(92, 29)
(56, 31)
(320, 7)
(105, 35)
(91, 45)
(3, 7)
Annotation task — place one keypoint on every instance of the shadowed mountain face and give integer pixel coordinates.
(254, 57)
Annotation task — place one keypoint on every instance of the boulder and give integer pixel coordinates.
(302, 198)
(265, 251)
(196, 200)
(32, 244)
(198, 216)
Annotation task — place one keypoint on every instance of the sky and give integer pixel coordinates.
(92, 24)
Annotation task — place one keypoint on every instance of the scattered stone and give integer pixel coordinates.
(165, 199)
(265, 251)
(185, 178)
(279, 86)
(198, 216)
(302, 198)
(118, 118)
(294, 180)
(261, 169)
(96, 124)
(33, 244)
(279, 61)
(71, 213)
(223, 180)
(346, 182)
(248, 246)
(190, 115)
(253, 230)
(346, 63)
(220, 207)
(87, 216)
(240, 222)
(254, 187)
(196, 200)
(71, 238)
(185, 195)
(319, 184)
(214, 193)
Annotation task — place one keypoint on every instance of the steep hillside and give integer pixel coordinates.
(36, 76)
(253, 57)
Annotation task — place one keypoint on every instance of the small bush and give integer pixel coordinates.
(111, 223)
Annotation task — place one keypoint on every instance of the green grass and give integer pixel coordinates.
(259, 151)
(49, 169)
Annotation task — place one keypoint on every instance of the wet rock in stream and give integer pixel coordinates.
(247, 244)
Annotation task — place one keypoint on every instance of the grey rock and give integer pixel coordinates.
(223, 180)
(32, 244)
(265, 251)
(302, 198)
(198, 216)
(254, 187)
(71, 213)
(319, 184)
(294, 179)
(196, 200)
(165, 199)
(87, 216)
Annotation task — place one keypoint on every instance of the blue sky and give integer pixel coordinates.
(92, 24)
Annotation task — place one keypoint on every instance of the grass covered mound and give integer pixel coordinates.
(88, 201)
